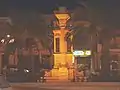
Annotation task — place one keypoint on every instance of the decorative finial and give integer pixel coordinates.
(61, 10)
(63, 16)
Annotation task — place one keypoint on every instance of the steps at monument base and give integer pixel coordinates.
(55, 79)
(51, 78)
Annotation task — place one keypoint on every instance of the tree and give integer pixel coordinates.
(106, 36)
(33, 21)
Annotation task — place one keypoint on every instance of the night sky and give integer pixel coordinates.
(105, 12)
(47, 6)
(26, 13)
(44, 6)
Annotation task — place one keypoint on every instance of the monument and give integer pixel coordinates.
(63, 57)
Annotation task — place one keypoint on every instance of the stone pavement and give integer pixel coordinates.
(70, 86)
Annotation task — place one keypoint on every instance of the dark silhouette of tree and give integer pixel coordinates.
(106, 36)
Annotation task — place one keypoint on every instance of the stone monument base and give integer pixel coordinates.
(60, 74)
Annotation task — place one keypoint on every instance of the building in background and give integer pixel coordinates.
(114, 53)
(5, 25)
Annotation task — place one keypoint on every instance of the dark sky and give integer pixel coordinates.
(46, 6)
(106, 11)
(25, 13)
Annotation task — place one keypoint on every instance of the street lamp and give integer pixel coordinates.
(3, 41)
(12, 40)
(79, 53)
(8, 36)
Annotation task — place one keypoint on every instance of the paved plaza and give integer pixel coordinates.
(67, 86)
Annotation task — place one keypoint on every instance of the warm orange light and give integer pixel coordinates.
(62, 19)
(62, 59)
(62, 16)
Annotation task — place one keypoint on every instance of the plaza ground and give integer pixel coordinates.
(67, 86)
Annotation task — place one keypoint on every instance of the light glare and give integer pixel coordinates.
(8, 35)
(3, 40)
(12, 40)
(88, 52)
(77, 53)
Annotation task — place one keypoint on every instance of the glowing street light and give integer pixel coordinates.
(3, 40)
(12, 40)
(8, 36)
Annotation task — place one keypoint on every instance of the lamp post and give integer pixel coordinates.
(4, 43)
(0, 62)
(79, 53)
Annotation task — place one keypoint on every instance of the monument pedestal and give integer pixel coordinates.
(60, 74)
(63, 73)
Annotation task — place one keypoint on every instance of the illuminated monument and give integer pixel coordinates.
(63, 57)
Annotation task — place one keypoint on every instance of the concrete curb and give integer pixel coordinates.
(82, 84)
(67, 86)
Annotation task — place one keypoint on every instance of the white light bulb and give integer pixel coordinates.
(12, 40)
(8, 36)
(3, 40)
